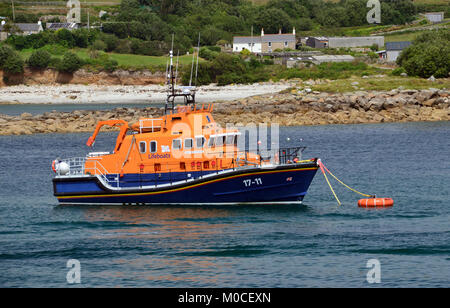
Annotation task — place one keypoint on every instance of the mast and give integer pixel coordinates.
(188, 93)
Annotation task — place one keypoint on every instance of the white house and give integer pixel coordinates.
(251, 43)
(266, 43)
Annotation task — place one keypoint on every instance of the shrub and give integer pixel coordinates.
(123, 46)
(398, 71)
(70, 63)
(5, 53)
(55, 49)
(245, 52)
(55, 63)
(222, 42)
(229, 78)
(65, 38)
(208, 54)
(99, 45)
(428, 55)
(110, 40)
(102, 61)
(13, 64)
(214, 48)
(39, 59)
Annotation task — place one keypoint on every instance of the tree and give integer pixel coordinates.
(70, 63)
(14, 64)
(39, 59)
(273, 20)
(429, 55)
(5, 53)
(65, 38)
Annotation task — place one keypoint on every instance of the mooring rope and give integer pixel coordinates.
(352, 189)
(324, 168)
(329, 184)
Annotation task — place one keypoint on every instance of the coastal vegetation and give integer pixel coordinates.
(429, 55)
(136, 34)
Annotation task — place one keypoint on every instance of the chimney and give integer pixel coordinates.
(293, 31)
(262, 32)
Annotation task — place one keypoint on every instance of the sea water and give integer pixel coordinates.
(317, 244)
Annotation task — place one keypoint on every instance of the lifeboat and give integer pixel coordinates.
(183, 157)
(376, 202)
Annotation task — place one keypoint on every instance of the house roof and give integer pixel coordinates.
(278, 38)
(246, 39)
(397, 45)
(26, 27)
(274, 38)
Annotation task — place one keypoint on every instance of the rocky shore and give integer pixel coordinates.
(287, 109)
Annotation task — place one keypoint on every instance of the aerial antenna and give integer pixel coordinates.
(171, 67)
(176, 72)
(167, 72)
(198, 52)
(192, 67)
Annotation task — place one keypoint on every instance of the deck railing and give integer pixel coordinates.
(77, 167)
(173, 174)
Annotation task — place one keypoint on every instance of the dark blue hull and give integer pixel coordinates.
(288, 183)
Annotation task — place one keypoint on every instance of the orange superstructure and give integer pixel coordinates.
(185, 139)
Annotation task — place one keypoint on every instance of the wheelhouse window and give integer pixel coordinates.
(143, 147)
(176, 144)
(230, 139)
(188, 143)
(200, 142)
(219, 141)
(153, 147)
(211, 141)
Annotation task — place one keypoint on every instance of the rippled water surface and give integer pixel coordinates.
(314, 245)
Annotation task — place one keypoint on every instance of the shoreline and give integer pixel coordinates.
(286, 109)
(117, 94)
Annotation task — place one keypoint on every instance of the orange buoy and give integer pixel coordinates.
(376, 202)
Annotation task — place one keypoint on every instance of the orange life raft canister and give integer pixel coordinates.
(376, 202)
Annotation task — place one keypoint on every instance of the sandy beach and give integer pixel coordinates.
(60, 94)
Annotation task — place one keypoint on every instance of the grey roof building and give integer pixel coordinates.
(317, 42)
(23, 29)
(278, 38)
(393, 50)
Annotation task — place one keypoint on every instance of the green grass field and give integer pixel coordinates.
(409, 36)
(385, 83)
